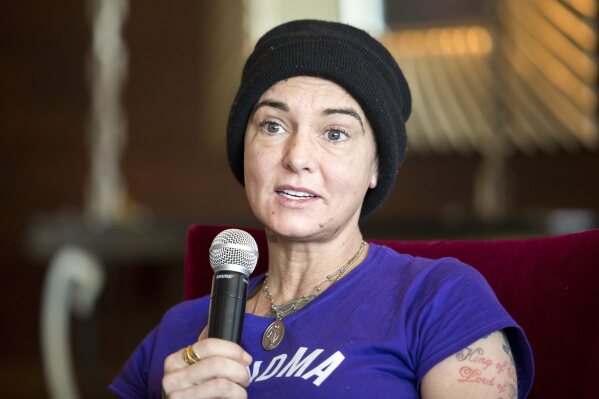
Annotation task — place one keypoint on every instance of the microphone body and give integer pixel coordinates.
(233, 256)
(227, 305)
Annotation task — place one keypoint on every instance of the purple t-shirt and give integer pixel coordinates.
(374, 333)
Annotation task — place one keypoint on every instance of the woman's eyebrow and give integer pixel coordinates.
(345, 111)
(329, 111)
(272, 103)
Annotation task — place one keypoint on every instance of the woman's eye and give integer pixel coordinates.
(336, 135)
(272, 127)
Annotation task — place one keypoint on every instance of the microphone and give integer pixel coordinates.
(233, 256)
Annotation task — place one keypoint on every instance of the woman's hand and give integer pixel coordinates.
(221, 373)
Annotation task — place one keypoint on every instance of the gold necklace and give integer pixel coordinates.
(273, 335)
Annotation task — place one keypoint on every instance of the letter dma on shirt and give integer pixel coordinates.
(300, 365)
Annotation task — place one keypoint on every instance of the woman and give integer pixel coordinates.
(316, 134)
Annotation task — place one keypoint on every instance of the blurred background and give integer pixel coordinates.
(113, 116)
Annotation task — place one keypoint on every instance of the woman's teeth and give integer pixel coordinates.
(292, 194)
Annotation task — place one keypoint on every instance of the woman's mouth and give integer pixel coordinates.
(295, 194)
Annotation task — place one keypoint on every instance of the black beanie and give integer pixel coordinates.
(345, 55)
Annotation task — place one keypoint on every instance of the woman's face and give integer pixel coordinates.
(310, 157)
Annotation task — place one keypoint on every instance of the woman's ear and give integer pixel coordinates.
(374, 178)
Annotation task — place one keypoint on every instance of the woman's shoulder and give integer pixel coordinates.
(189, 315)
(187, 306)
(411, 267)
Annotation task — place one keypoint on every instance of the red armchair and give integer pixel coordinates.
(549, 285)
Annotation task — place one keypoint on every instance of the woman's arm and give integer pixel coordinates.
(484, 369)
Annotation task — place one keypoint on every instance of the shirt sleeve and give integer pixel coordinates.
(132, 381)
(454, 306)
(141, 376)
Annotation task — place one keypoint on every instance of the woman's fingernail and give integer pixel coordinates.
(247, 358)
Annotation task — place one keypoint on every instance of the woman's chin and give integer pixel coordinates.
(297, 227)
(307, 224)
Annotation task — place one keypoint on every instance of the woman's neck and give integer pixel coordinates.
(296, 268)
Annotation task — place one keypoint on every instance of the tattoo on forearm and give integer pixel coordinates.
(475, 375)
(470, 374)
(484, 370)
(512, 392)
(474, 356)
(507, 349)
(467, 353)
(507, 368)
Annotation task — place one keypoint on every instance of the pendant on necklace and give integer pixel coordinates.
(273, 335)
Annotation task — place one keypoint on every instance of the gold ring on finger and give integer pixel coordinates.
(190, 357)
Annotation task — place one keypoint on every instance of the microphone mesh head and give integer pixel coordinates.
(234, 250)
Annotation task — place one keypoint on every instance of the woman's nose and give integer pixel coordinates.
(300, 153)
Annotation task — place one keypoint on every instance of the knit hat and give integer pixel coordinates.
(342, 54)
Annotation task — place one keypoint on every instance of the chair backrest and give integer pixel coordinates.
(550, 285)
